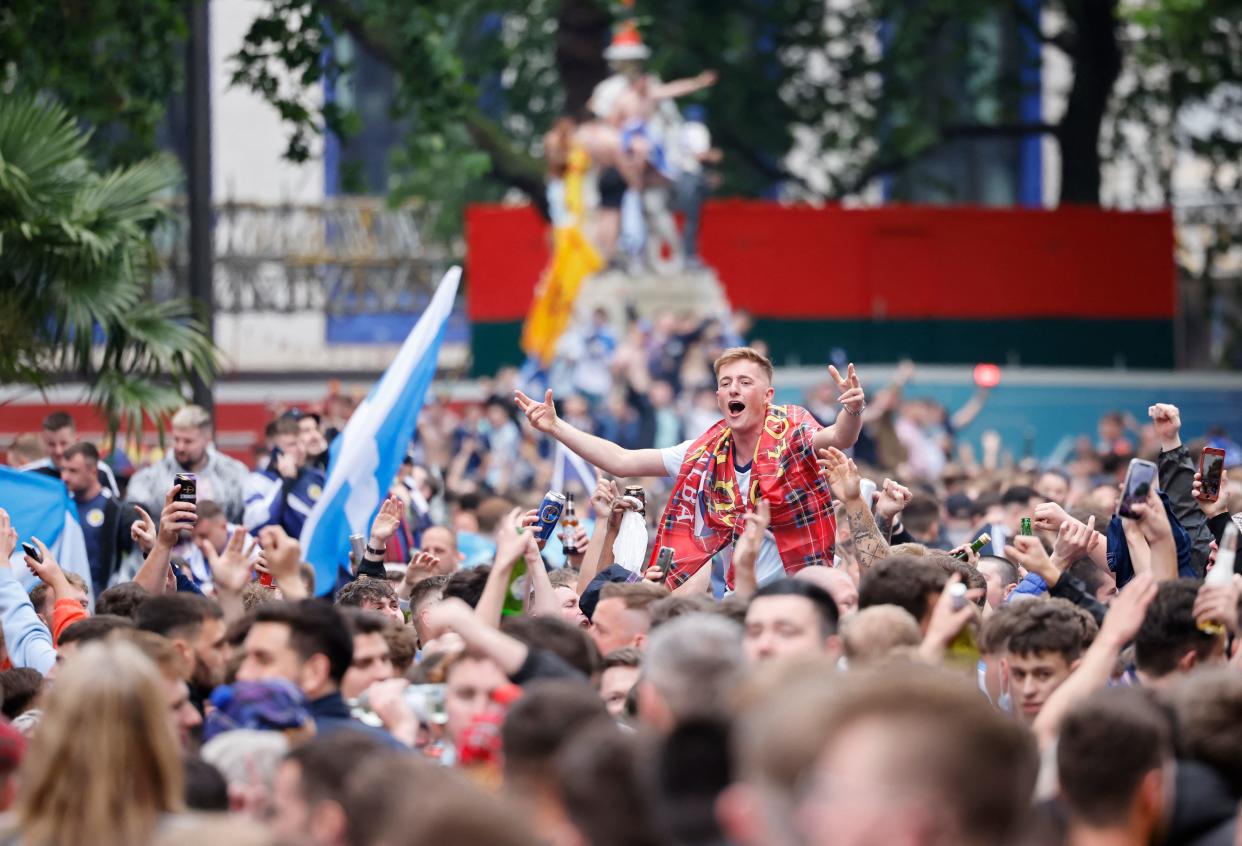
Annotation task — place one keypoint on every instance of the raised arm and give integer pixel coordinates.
(283, 558)
(453, 615)
(966, 415)
(602, 500)
(682, 87)
(510, 547)
(843, 433)
(607, 456)
(1049, 517)
(28, 640)
(177, 517)
(746, 550)
(1177, 472)
(69, 606)
(842, 476)
(231, 570)
(1153, 520)
(1121, 624)
(891, 499)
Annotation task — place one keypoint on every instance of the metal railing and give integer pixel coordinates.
(346, 255)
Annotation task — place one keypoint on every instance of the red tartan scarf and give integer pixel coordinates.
(706, 511)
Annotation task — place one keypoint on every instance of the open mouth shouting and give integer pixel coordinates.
(735, 407)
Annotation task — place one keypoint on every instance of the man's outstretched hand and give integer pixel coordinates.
(850, 391)
(841, 474)
(386, 522)
(541, 415)
(232, 568)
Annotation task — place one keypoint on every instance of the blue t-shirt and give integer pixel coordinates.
(91, 518)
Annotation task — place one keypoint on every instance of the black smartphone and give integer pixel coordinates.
(277, 452)
(33, 551)
(1139, 479)
(664, 560)
(188, 484)
(1211, 466)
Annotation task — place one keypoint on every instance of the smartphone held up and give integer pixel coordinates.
(1140, 478)
(1211, 470)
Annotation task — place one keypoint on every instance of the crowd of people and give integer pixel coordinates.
(632, 156)
(759, 624)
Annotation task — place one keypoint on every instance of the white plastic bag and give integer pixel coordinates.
(630, 548)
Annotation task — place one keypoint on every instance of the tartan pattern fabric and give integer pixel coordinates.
(706, 512)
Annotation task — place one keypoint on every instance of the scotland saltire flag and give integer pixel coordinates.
(568, 466)
(39, 506)
(365, 457)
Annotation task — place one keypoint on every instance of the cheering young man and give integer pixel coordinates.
(757, 450)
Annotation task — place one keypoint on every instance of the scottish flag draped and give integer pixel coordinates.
(40, 506)
(364, 458)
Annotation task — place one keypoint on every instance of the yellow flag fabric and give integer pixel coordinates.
(573, 260)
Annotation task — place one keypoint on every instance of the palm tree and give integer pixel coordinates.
(76, 264)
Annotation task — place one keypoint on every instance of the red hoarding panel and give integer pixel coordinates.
(892, 262)
(506, 250)
(919, 262)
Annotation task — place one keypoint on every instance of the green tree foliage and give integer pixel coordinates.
(874, 85)
(114, 64)
(1179, 98)
(75, 270)
(874, 88)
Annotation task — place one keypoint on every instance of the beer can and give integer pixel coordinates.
(358, 546)
(549, 514)
(1026, 526)
(189, 487)
(636, 491)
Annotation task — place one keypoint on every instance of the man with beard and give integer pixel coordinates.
(195, 626)
(220, 479)
(758, 450)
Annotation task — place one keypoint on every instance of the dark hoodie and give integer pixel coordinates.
(1205, 810)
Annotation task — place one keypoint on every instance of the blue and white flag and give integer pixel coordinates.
(365, 457)
(39, 506)
(568, 466)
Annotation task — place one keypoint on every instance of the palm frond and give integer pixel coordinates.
(38, 142)
(76, 263)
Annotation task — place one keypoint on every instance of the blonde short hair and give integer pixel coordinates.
(743, 354)
(874, 633)
(192, 417)
(26, 448)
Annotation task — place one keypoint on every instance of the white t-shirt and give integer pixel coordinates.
(693, 140)
(768, 566)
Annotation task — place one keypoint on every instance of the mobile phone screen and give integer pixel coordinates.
(1139, 479)
(1213, 465)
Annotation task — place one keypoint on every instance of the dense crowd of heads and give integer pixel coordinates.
(984, 653)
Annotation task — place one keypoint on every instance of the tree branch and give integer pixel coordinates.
(509, 165)
(883, 167)
(767, 168)
(998, 130)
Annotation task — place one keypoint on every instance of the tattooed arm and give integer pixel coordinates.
(884, 525)
(869, 545)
